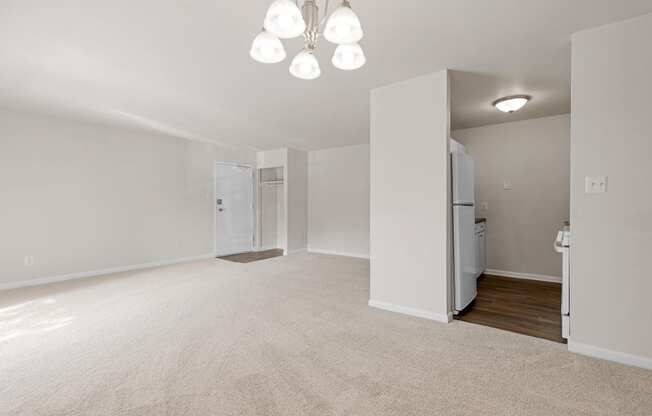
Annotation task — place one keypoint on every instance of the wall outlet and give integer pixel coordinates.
(595, 184)
(484, 206)
(507, 185)
(28, 261)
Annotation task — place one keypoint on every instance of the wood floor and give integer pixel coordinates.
(253, 256)
(524, 306)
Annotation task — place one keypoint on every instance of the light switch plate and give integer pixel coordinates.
(484, 206)
(507, 185)
(595, 184)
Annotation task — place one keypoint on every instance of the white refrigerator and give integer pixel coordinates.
(463, 230)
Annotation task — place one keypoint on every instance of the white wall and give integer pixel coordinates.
(611, 311)
(338, 201)
(296, 188)
(534, 155)
(81, 197)
(409, 197)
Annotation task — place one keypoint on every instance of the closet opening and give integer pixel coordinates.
(272, 210)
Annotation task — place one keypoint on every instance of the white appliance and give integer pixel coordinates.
(464, 247)
(480, 248)
(456, 146)
(562, 245)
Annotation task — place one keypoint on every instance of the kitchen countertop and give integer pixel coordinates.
(479, 220)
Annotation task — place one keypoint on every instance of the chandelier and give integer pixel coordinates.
(285, 20)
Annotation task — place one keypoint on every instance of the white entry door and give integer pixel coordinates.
(234, 209)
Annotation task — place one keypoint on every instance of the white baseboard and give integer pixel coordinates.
(337, 253)
(419, 313)
(95, 273)
(296, 251)
(527, 276)
(609, 355)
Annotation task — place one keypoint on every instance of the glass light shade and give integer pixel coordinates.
(349, 57)
(511, 104)
(284, 19)
(343, 26)
(305, 66)
(267, 48)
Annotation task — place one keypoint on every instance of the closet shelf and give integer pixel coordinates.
(272, 182)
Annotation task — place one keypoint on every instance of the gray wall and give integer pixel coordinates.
(84, 197)
(534, 155)
(611, 311)
(338, 195)
(409, 197)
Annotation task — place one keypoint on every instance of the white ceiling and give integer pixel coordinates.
(183, 67)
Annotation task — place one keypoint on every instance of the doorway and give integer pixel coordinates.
(272, 218)
(234, 209)
(521, 185)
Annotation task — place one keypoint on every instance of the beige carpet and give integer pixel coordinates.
(285, 336)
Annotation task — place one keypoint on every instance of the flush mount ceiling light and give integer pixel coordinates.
(512, 103)
(286, 19)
